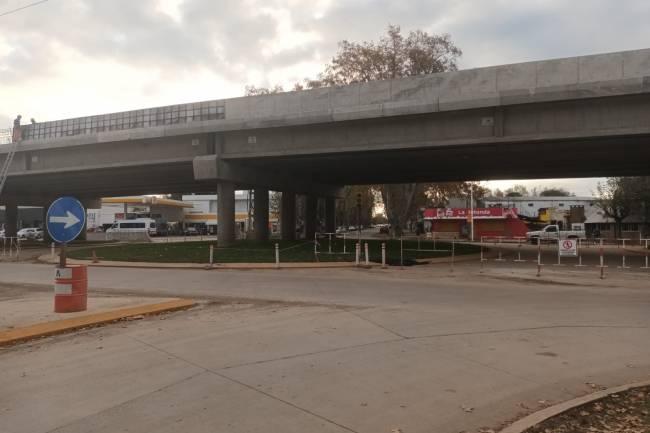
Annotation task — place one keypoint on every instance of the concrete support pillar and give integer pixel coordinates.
(88, 203)
(311, 216)
(47, 240)
(261, 214)
(225, 214)
(11, 220)
(330, 214)
(288, 216)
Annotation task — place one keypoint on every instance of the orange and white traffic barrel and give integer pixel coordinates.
(71, 289)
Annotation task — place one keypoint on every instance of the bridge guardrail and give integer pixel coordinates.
(150, 117)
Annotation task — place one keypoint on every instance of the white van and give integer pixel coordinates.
(138, 225)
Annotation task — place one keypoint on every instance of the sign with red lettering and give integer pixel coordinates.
(462, 213)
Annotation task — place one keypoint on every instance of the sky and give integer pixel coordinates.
(68, 58)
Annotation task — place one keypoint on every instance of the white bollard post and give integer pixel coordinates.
(357, 253)
(646, 255)
(211, 255)
(559, 257)
(623, 265)
(383, 255)
(366, 254)
(602, 261)
(519, 251)
(344, 244)
(277, 256)
(580, 245)
(330, 243)
(500, 258)
(453, 253)
(539, 257)
(52, 250)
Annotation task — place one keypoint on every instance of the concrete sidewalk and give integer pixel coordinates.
(298, 368)
(22, 308)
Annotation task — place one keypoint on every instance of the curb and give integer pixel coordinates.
(45, 329)
(46, 259)
(544, 414)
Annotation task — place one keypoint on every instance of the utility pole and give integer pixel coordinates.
(359, 216)
(471, 211)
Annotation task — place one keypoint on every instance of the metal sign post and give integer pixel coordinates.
(65, 220)
(566, 248)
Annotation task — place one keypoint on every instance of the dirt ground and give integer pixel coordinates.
(627, 412)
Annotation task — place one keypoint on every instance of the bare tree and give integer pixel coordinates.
(616, 197)
(255, 91)
(394, 55)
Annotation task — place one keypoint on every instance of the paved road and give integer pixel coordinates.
(422, 350)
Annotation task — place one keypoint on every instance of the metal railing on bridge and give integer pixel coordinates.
(150, 117)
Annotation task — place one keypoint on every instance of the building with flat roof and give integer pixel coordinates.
(531, 206)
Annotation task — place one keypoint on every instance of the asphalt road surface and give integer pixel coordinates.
(351, 350)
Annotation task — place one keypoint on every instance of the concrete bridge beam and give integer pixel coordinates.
(213, 167)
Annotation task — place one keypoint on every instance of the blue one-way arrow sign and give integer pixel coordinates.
(65, 219)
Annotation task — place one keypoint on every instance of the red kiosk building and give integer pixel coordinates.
(493, 221)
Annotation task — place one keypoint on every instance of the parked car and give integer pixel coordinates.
(552, 233)
(190, 231)
(32, 233)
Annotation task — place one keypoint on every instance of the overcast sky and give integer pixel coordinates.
(67, 58)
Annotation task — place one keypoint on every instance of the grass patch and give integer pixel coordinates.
(264, 252)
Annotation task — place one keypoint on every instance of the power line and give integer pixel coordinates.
(22, 7)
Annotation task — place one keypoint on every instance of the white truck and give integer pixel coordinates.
(553, 233)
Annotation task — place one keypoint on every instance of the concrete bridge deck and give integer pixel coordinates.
(573, 117)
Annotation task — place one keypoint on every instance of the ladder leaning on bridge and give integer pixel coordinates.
(4, 169)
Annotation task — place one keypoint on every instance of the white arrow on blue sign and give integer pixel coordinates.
(65, 219)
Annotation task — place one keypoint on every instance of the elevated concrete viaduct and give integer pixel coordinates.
(574, 117)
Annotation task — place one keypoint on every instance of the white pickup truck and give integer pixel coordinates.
(553, 233)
